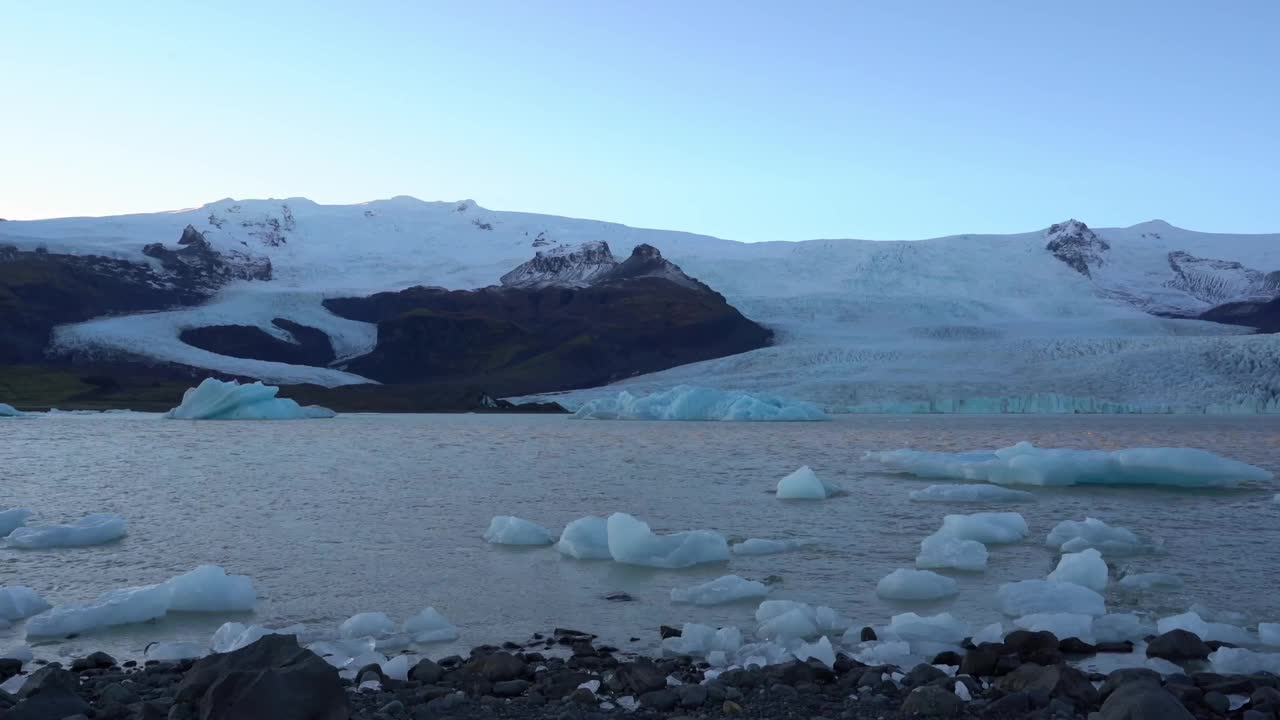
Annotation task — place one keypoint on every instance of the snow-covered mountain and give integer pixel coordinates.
(1066, 315)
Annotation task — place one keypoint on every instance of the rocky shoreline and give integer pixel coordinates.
(567, 675)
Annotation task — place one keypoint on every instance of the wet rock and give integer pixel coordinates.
(868, 634)
(9, 668)
(797, 671)
(272, 679)
(949, 657)
(426, 672)
(692, 696)
(583, 696)
(496, 667)
(49, 692)
(1059, 681)
(511, 688)
(932, 701)
(1142, 701)
(440, 706)
(640, 677)
(922, 675)
(1007, 664)
(1265, 698)
(666, 631)
(1258, 715)
(118, 694)
(1114, 647)
(731, 708)
(1177, 646)
(1217, 702)
(742, 678)
(980, 661)
(618, 597)
(1124, 676)
(1076, 646)
(660, 700)
(1024, 643)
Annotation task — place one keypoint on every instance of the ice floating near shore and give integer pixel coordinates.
(788, 619)
(971, 494)
(760, 546)
(803, 484)
(1238, 661)
(1034, 597)
(1085, 568)
(586, 539)
(727, 589)
(1026, 464)
(1063, 625)
(1219, 631)
(93, 529)
(18, 602)
(990, 528)
(941, 628)
(232, 636)
(206, 589)
(1150, 581)
(1118, 627)
(7, 411)
(904, 584)
(1076, 535)
(12, 519)
(692, 403)
(508, 530)
(1269, 633)
(217, 400)
(429, 626)
(633, 543)
(368, 624)
(942, 551)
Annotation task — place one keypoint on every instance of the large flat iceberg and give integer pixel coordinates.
(217, 400)
(693, 403)
(1026, 464)
(508, 530)
(727, 589)
(93, 529)
(13, 519)
(803, 484)
(633, 543)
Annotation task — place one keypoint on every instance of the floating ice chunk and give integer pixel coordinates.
(942, 551)
(21, 653)
(986, 527)
(1118, 627)
(508, 530)
(695, 639)
(116, 607)
(339, 653)
(803, 484)
(1230, 617)
(820, 650)
(759, 546)
(1150, 581)
(1085, 568)
(217, 400)
(1075, 535)
(941, 628)
(727, 589)
(90, 530)
(895, 652)
(796, 620)
(368, 624)
(970, 494)
(586, 539)
(691, 403)
(1031, 597)
(1063, 625)
(1269, 633)
(12, 519)
(171, 651)
(1192, 622)
(1238, 661)
(429, 626)
(209, 588)
(1025, 464)
(992, 633)
(904, 584)
(632, 542)
(397, 668)
(9, 411)
(17, 602)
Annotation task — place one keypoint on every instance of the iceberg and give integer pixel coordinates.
(93, 529)
(1033, 597)
(18, 602)
(9, 411)
(368, 624)
(1194, 623)
(803, 484)
(586, 539)
(1238, 661)
(1118, 627)
(1085, 568)
(209, 588)
(760, 546)
(727, 589)
(941, 628)
(819, 650)
(788, 619)
(217, 400)
(990, 528)
(971, 494)
(1075, 536)
(1062, 625)
(1269, 633)
(429, 626)
(904, 584)
(692, 403)
(12, 519)
(1150, 581)
(1026, 464)
(702, 640)
(508, 530)
(992, 633)
(945, 552)
(632, 542)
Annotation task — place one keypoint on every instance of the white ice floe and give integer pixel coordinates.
(1076, 535)
(206, 589)
(1118, 627)
(1220, 631)
(986, 527)
(700, 640)
(945, 552)
(1238, 661)
(803, 484)
(726, 589)
(788, 619)
(13, 519)
(819, 650)
(1269, 633)
(940, 628)
(586, 539)
(508, 530)
(1085, 568)
(170, 651)
(962, 692)
(429, 626)
(341, 653)
(1025, 464)
(760, 546)
(884, 652)
(633, 543)
(397, 668)
(7, 411)
(904, 584)
(1063, 625)
(692, 403)
(1031, 597)
(90, 530)
(992, 633)
(17, 602)
(971, 494)
(217, 400)
(1150, 581)
(367, 624)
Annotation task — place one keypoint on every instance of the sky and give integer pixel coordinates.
(749, 120)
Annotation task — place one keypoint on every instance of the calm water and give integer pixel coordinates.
(386, 513)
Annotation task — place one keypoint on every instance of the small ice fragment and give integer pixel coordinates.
(633, 543)
(904, 584)
(368, 624)
(944, 552)
(93, 529)
(726, 589)
(508, 530)
(803, 484)
(429, 626)
(1085, 568)
(989, 528)
(1075, 535)
(174, 650)
(962, 692)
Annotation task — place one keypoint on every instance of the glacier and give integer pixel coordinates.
(93, 529)
(971, 494)
(726, 589)
(803, 484)
(12, 519)
(508, 530)
(631, 542)
(215, 399)
(1025, 464)
(904, 584)
(586, 538)
(693, 403)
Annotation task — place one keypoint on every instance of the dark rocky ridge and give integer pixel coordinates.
(312, 346)
(1075, 244)
(1262, 316)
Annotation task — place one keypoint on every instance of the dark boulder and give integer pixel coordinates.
(272, 679)
(1059, 681)
(1177, 646)
(981, 661)
(639, 677)
(1025, 643)
(50, 692)
(426, 672)
(1143, 701)
(1124, 676)
(922, 674)
(496, 667)
(932, 701)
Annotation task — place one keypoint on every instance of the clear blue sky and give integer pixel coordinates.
(748, 120)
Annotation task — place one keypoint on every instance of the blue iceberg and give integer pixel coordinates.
(218, 400)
